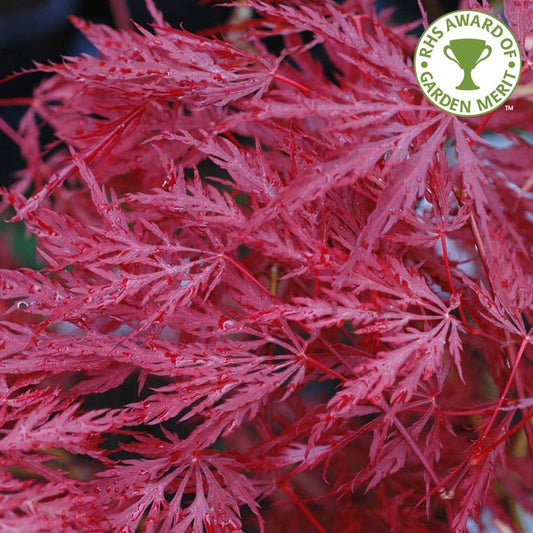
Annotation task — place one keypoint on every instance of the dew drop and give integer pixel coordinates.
(227, 324)
(233, 425)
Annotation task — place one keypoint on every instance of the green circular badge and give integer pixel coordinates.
(467, 63)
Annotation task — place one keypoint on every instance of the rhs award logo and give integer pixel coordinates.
(467, 63)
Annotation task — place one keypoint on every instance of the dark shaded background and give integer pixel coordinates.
(39, 30)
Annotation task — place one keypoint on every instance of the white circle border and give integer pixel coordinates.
(418, 59)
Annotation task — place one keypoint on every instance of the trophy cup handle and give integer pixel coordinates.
(448, 47)
(481, 58)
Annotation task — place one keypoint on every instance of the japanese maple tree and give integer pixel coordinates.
(280, 291)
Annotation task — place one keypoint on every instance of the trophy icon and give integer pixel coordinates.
(467, 53)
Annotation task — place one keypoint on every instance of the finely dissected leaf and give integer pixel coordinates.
(519, 15)
(279, 291)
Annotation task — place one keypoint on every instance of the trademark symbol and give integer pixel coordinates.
(509, 107)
